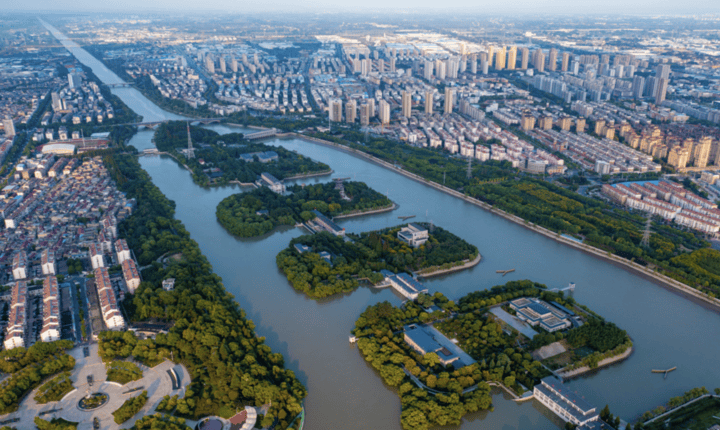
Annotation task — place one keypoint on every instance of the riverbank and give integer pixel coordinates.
(468, 264)
(309, 175)
(602, 363)
(370, 212)
(632, 266)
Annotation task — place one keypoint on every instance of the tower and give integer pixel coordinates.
(190, 150)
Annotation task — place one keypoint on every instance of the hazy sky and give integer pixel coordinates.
(479, 6)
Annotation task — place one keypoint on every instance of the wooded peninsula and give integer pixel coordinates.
(433, 393)
(347, 262)
(219, 158)
(260, 211)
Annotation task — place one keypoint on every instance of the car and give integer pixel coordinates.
(90, 380)
(86, 351)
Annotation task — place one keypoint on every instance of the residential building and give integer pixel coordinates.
(131, 275)
(15, 331)
(20, 266)
(108, 301)
(51, 310)
(96, 256)
(47, 260)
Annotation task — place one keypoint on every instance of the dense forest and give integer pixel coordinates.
(229, 365)
(678, 253)
(363, 257)
(239, 213)
(223, 152)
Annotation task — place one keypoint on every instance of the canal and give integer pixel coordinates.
(344, 392)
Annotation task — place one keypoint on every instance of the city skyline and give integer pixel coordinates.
(402, 7)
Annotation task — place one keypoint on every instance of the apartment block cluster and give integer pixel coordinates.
(605, 156)
(668, 200)
(250, 79)
(171, 76)
(81, 102)
(24, 83)
(19, 330)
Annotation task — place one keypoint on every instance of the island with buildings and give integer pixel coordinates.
(272, 204)
(216, 159)
(444, 356)
(331, 261)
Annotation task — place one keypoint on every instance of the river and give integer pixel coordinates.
(344, 392)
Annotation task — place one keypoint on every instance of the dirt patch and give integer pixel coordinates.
(547, 351)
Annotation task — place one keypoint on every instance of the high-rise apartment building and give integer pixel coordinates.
(662, 71)
(449, 99)
(335, 110)
(701, 152)
(406, 104)
(540, 60)
(638, 86)
(484, 62)
(552, 60)
(525, 57)
(350, 111)
(512, 58)
(384, 112)
(428, 70)
(364, 114)
(429, 99)
(440, 69)
(661, 91)
(500, 59)
(565, 61)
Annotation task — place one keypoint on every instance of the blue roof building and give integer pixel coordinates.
(423, 341)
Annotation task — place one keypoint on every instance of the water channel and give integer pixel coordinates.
(344, 392)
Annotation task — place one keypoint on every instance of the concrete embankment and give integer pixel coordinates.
(602, 363)
(637, 268)
(363, 213)
(468, 264)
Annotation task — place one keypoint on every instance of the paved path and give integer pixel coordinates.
(155, 380)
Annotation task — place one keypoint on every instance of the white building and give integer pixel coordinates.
(270, 181)
(122, 250)
(564, 403)
(96, 256)
(51, 310)
(131, 275)
(15, 336)
(20, 266)
(108, 301)
(47, 259)
(168, 284)
(414, 235)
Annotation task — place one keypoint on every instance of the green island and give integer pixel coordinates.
(683, 255)
(230, 366)
(697, 409)
(260, 211)
(218, 158)
(27, 368)
(347, 262)
(123, 372)
(55, 389)
(438, 386)
(130, 407)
